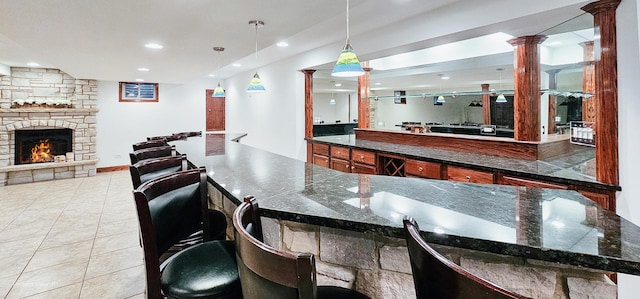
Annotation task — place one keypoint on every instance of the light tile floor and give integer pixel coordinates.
(74, 238)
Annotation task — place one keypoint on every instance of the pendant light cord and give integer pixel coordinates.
(256, 46)
(347, 21)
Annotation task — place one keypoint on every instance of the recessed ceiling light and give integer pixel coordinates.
(143, 69)
(444, 77)
(139, 80)
(237, 65)
(337, 84)
(378, 83)
(212, 75)
(154, 46)
(33, 64)
(282, 44)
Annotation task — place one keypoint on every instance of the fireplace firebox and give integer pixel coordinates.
(40, 146)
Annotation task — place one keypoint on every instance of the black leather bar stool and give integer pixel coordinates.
(170, 208)
(435, 276)
(149, 169)
(152, 152)
(268, 273)
(148, 144)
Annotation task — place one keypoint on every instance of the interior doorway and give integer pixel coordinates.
(215, 112)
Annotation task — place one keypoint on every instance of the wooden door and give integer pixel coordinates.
(215, 112)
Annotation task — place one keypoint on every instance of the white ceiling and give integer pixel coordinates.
(104, 40)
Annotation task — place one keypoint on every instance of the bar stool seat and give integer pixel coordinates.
(206, 270)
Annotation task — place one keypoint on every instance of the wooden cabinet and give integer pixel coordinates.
(363, 162)
(423, 169)
(468, 175)
(515, 181)
(320, 154)
(340, 165)
(339, 152)
(321, 160)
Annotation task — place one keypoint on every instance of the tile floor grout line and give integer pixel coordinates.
(84, 275)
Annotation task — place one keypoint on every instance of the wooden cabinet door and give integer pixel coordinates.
(363, 157)
(363, 168)
(321, 160)
(215, 112)
(340, 152)
(340, 165)
(467, 175)
(423, 169)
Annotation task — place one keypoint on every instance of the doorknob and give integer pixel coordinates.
(209, 110)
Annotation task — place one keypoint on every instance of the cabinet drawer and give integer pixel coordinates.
(507, 180)
(363, 168)
(321, 149)
(423, 169)
(321, 160)
(363, 157)
(467, 175)
(340, 165)
(340, 152)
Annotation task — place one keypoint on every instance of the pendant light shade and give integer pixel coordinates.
(255, 85)
(440, 99)
(219, 91)
(348, 64)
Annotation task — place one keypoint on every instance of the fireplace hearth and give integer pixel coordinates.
(41, 146)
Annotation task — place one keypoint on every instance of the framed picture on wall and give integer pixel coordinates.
(138, 92)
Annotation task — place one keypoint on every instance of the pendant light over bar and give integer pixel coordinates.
(256, 84)
(348, 64)
(219, 91)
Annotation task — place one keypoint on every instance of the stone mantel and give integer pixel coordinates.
(52, 110)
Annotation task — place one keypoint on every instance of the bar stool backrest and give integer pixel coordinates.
(152, 152)
(435, 276)
(149, 169)
(148, 144)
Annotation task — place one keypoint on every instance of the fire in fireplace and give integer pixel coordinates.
(39, 146)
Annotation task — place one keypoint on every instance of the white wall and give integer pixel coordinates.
(120, 124)
(628, 204)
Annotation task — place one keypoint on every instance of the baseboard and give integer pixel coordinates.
(112, 168)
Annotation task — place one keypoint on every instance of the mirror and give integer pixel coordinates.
(459, 78)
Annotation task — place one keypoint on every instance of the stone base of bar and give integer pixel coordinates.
(379, 267)
(38, 172)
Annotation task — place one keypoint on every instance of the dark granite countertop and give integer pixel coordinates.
(551, 225)
(575, 168)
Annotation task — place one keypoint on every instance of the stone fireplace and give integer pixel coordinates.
(49, 101)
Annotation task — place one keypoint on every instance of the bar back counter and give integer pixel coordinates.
(542, 243)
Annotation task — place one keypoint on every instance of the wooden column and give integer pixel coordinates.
(606, 91)
(526, 75)
(486, 104)
(308, 110)
(364, 117)
(553, 84)
(589, 83)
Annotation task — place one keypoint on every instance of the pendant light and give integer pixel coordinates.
(348, 64)
(256, 84)
(501, 98)
(332, 101)
(219, 91)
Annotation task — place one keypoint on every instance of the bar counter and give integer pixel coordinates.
(576, 168)
(558, 226)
